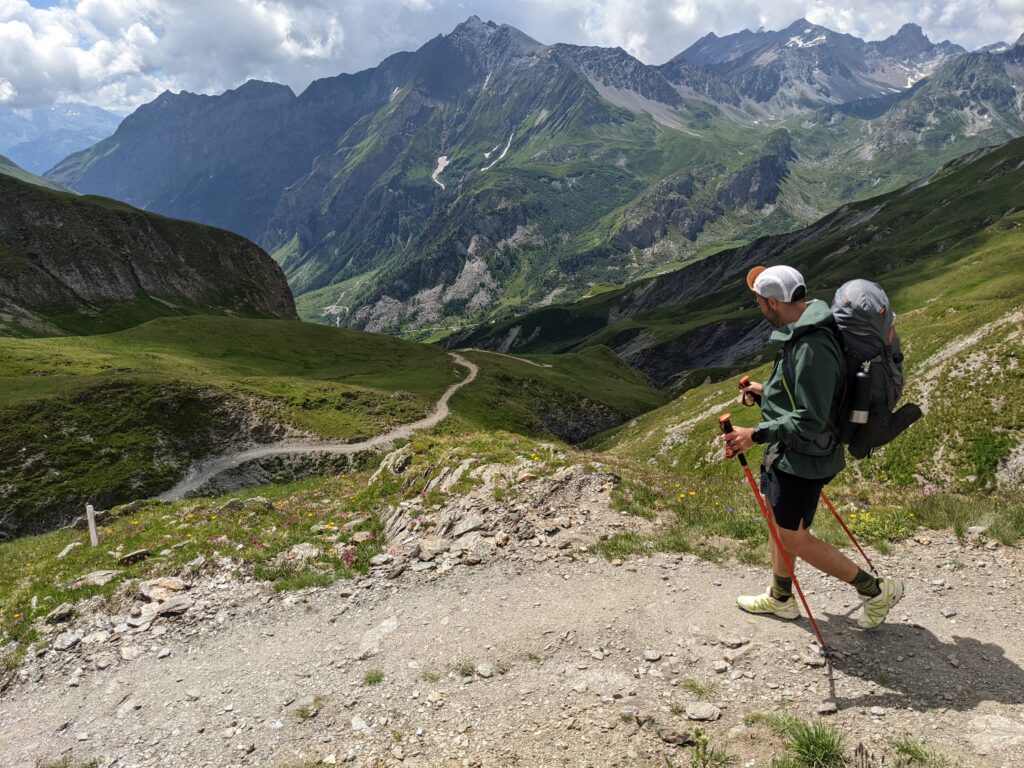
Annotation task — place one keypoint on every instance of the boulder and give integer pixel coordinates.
(699, 710)
(94, 579)
(160, 589)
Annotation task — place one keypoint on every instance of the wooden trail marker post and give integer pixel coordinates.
(90, 515)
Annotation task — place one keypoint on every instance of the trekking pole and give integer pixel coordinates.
(726, 424)
(849, 533)
(750, 399)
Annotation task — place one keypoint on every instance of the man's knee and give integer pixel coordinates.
(795, 541)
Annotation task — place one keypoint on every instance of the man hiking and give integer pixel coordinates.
(802, 448)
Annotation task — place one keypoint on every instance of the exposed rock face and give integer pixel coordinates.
(690, 203)
(757, 185)
(808, 65)
(69, 254)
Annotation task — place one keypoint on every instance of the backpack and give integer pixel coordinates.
(874, 365)
(862, 416)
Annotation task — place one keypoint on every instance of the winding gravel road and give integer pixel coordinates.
(205, 471)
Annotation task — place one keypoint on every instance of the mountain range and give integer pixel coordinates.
(486, 174)
(37, 139)
(700, 319)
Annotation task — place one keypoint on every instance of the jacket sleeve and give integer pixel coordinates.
(817, 369)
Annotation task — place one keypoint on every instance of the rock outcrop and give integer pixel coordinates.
(80, 264)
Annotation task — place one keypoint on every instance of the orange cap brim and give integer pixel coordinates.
(753, 274)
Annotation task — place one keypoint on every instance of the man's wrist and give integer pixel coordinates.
(759, 435)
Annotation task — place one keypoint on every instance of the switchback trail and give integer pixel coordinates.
(207, 470)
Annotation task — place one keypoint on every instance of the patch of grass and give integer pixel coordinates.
(634, 498)
(809, 745)
(309, 711)
(701, 688)
(704, 755)
(817, 745)
(918, 754)
(464, 669)
(430, 676)
(373, 677)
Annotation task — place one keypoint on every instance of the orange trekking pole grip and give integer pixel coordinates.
(748, 397)
(726, 425)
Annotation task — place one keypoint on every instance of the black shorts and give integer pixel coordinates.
(794, 499)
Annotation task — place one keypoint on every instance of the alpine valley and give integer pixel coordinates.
(487, 174)
(520, 544)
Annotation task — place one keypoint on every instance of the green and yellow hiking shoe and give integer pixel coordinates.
(875, 609)
(765, 603)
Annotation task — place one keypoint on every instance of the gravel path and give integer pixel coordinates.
(510, 357)
(543, 658)
(203, 472)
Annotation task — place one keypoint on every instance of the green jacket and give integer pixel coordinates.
(798, 399)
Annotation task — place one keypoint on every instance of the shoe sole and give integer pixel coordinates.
(782, 616)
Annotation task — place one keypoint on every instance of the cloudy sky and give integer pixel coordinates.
(121, 53)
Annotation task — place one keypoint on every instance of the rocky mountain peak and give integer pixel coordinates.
(908, 42)
(494, 41)
(1020, 42)
(799, 26)
(261, 89)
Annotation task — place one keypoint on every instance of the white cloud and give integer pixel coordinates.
(120, 53)
(7, 92)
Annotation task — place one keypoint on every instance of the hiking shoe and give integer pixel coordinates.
(765, 603)
(875, 609)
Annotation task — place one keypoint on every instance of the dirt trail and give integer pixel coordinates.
(510, 357)
(205, 471)
(546, 659)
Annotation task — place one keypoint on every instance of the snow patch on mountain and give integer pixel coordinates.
(503, 153)
(799, 42)
(442, 163)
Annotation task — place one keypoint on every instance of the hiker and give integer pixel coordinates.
(802, 447)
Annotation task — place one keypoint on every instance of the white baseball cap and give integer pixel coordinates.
(778, 282)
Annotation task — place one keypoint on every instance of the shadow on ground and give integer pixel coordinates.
(915, 669)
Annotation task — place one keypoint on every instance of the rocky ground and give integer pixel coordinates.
(488, 635)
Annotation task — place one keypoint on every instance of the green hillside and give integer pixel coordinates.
(116, 417)
(10, 168)
(72, 264)
(702, 315)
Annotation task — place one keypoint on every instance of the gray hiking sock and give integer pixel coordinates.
(866, 584)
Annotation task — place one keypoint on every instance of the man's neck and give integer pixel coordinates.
(790, 313)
